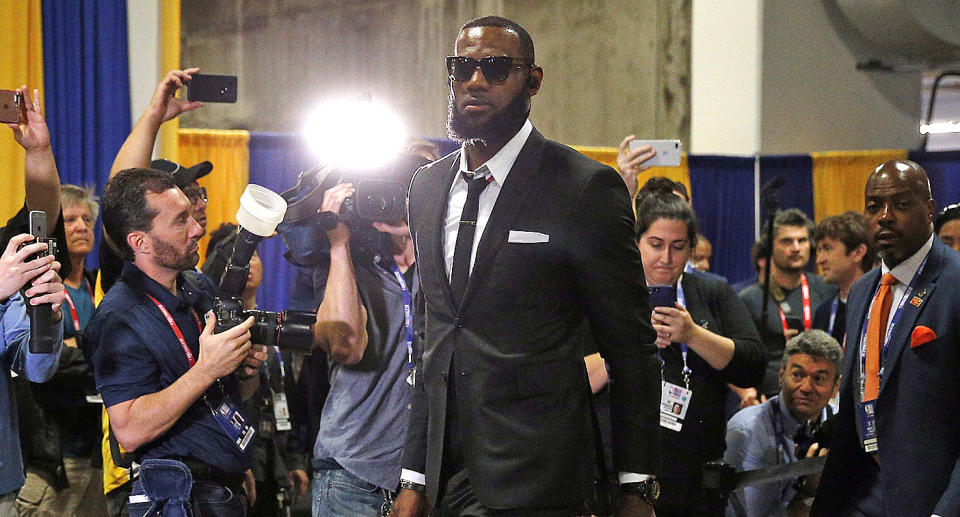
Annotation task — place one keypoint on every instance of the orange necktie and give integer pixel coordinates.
(876, 332)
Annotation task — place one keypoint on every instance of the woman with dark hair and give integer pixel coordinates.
(706, 340)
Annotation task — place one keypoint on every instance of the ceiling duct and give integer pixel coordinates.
(898, 33)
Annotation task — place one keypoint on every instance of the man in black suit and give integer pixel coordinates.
(522, 243)
(895, 449)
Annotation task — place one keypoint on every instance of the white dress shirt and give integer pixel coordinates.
(904, 273)
(499, 166)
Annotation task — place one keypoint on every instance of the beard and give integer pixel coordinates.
(498, 128)
(170, 257)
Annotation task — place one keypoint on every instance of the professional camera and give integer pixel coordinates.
(381, 193)
(810, 433)
(260, 211)
(380, 196)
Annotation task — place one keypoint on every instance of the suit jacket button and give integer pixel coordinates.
(457, 323)
(443, 375)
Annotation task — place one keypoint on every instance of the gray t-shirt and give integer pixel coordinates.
(364, 421)
(771, 331)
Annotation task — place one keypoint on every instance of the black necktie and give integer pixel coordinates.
(460, 272)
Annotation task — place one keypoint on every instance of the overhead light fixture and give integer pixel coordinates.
(939, 128)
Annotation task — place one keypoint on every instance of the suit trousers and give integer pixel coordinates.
(458, 500)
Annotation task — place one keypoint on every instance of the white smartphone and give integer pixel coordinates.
(668, 152)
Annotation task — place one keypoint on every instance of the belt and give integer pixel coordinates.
(202, 471)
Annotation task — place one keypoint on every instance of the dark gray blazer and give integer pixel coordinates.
(521, 381)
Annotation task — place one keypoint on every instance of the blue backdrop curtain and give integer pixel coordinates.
(276, 159)
(722, 195)
(86, 79)
(797, 189)
(943, 169)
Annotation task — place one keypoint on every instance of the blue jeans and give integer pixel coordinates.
(208, 499)
(338, 493)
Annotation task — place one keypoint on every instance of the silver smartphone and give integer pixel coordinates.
(668, 152)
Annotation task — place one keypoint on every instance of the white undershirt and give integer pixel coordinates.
(499, 165)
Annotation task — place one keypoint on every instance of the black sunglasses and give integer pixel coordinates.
(494, 68)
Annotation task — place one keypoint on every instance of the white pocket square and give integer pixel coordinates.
(527, 237)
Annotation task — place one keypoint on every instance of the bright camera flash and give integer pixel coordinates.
(354, 133)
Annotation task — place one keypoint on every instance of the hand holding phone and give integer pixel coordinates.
(11, 107)
(668, 152)
(662, 295)
(212, 88)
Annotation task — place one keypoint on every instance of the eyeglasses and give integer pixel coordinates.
(494, 68)
(196, 194)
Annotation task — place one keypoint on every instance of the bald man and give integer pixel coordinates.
(897, 441)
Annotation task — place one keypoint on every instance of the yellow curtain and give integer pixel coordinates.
(608, 156)
(839, 178)
(170, 60)
(229, 153)
(22, 49)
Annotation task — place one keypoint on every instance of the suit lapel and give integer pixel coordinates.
(926, 283)
(518, 187)
(436, 192)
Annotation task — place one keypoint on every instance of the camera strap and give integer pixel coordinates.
(176, 329)
(807, 313)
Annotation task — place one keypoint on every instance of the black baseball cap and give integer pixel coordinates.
(183, 176)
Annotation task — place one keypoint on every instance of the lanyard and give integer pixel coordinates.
(407, 312)
(74, 315)
(888, 335)
(283, 373)
(834, 307)
(176, 329)
(807, 315)
(687, 372)
(782, 448)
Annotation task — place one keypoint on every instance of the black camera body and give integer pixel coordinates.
(375, 200)
(810, 433)
(289, 330)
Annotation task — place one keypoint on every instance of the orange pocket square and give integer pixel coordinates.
(921, 335)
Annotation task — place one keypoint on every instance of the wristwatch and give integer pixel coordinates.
(648, 490)
(410, 485)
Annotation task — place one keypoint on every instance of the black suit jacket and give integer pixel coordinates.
(917, 426)
(521, 381)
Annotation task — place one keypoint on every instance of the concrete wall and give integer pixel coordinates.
(610, 67)
(814, 98)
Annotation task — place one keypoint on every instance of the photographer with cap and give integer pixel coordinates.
(170, 385)
(137, 150)
(366, 282)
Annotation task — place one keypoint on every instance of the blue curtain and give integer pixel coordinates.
(87, 89)
(943, 169)
(797, 189)
(722, 193)
(276, 159)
